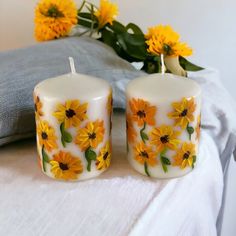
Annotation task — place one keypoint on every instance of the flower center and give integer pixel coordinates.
(63, 166)
(144, 154)
(186, 155)
(54, 12)
(183, 113)
(44, 135)
(105, 156)
(92, 135)
(141, 114)
(70, 113)
(164, 139)
(167, 49)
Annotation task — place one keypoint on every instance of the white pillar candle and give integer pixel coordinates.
(73, 115)
(163, 125)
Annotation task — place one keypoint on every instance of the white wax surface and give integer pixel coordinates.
(71, 86)
(167, 87)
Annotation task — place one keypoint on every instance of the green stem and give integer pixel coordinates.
(143, 135)
(146, 169)
(163, 164)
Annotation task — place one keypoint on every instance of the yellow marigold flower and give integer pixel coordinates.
(65, 166)
(183, 112)
(163, 40)
(131, 132)
(91, 135)
(72, 113)
(38, 107)
(142, 111)
(106, 13)
(145, 154)
(46, 136)
(104, 157)
(198, 127)
(185, 156)
(164, 137)
(54, 19)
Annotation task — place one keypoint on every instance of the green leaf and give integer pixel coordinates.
(134, 28)
(165, 160)
(90, 154)
(85, 23)
(144, 136)
(146, 169)
(67, 137)
(117, 27)
(133, 45)
(188, 66)
(45, 156)
(85, 15)
(164, 167)
(194, 159)
(190, 130)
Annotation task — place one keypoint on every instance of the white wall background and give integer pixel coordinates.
(209, 26)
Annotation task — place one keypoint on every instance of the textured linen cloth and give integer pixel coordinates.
(22, 69)
(119, 202)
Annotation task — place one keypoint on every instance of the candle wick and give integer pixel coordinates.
(162, 64)
(72, 65)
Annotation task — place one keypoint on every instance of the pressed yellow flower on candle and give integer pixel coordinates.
(91, 135)
(142, 112)
(145, 154)
(164, 137)
(65, 166)
(72, 113)
(46, 136)
(104, 158)
(38, 107)
(163, 40)
(185, 156)
(106, 13)
(54, 18)
(183, 112)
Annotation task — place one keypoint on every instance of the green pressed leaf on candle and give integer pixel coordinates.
(90, 156)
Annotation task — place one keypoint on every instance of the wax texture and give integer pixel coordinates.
(162, 133)
(73, 133)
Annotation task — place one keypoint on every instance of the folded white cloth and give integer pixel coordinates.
(121, 202)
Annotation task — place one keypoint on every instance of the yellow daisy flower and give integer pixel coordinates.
(185, 156)
(104, 158)
(106, 13)
(164, 137)
(54, 19)
(163, 40)
(91, 135)
(71, 113)
(38, 107)
(46, 136)
(198, 127)
(65, 166)
(142, 111)
(183, 112)
(145, 154)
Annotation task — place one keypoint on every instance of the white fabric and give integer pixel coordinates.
(120, 202)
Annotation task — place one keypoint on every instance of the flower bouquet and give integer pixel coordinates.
(57, 18)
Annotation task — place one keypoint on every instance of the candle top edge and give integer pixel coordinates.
(73, 85)
(167, 86)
